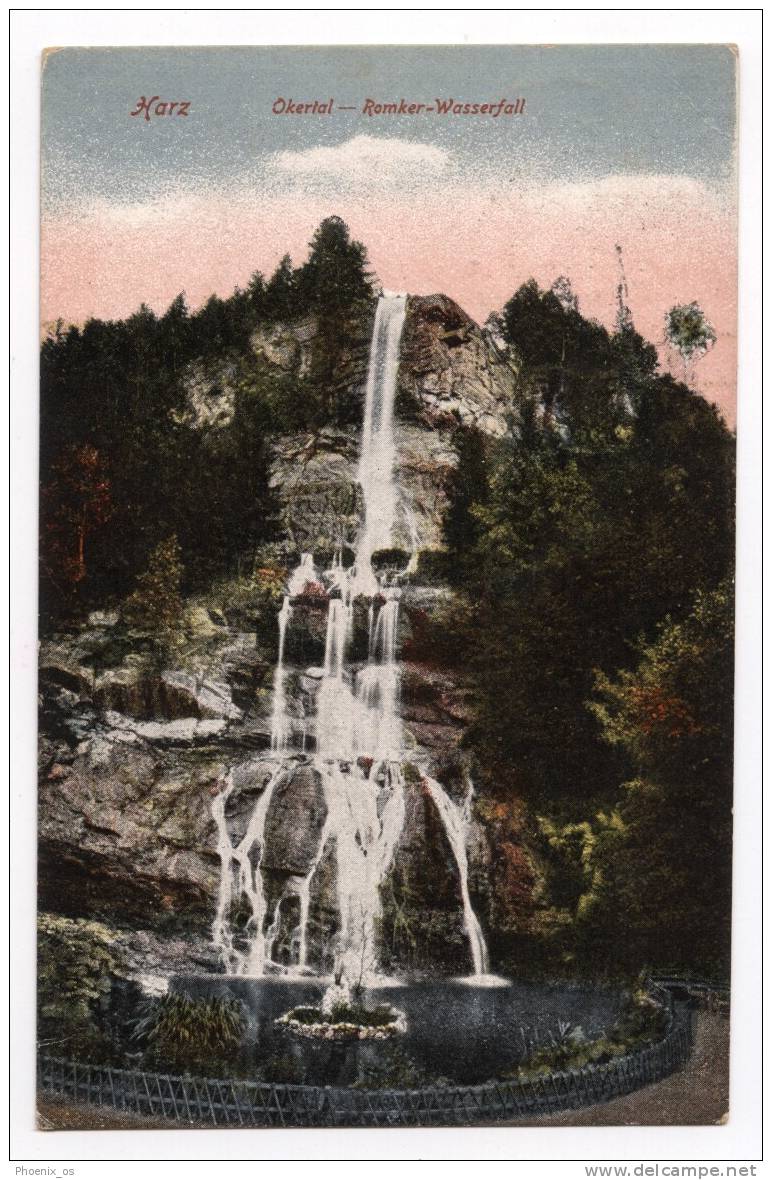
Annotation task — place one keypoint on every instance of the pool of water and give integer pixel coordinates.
(465, 1030)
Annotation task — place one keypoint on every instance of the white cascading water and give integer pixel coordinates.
(279, 719)
(376, 459)
(456, 821)
(355, 736)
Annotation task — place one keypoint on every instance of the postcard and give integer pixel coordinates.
(387, 470)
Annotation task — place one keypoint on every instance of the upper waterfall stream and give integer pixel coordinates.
(354, 737)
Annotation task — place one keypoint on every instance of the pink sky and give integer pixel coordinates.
(476, 245)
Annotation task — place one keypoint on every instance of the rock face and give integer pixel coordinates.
(211, 393)
(129, 755)
(131, 762)
(125, 831)
(314, 476)
(453, 372)
(294, 823)
(289, 346)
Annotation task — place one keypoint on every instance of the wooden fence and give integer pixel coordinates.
(232, 1103)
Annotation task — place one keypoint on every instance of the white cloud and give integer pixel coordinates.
(362, 155)
(620, 191)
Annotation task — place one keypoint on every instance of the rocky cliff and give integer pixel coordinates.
(452, 373)
(131, 760)
(132, 754)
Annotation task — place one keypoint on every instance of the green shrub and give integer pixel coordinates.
(250, 601)
(394, 1069)
(642, 1021)
(155, 605)
(346, 1014)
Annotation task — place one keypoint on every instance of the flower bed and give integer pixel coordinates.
(344, 1023)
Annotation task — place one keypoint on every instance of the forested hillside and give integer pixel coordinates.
(124, 463)
(592, 549)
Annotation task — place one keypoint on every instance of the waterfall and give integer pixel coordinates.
(248, 855)
(335, 702)
(354, 738)
(376, 461)
(302, 576)
(280, 723)
(221, 935)
(456, 822)
(242, 862)
(379, 730)
(365, 820)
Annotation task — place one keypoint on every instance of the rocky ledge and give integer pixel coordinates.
(452, 372)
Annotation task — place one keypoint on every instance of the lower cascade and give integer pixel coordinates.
(353, 735)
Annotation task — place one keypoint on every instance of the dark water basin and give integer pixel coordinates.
(456, 1029)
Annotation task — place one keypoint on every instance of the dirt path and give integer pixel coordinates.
(697, 1095)
(61, 1115)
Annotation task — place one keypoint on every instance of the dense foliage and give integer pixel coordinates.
(660, 867)
(155, 604)
(78, 965)
(688, 331)
(595, 612)
(126, 464)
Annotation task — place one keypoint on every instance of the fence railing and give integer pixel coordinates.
(232, 1103)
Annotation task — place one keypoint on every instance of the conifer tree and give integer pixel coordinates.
(155, 605)
(280, 300)
(468, 489)
(256, 292)
(336, 273)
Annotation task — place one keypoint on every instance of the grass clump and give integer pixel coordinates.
(187, 1035)
(394, 1070)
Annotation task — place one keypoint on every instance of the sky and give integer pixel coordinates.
(628, 145)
